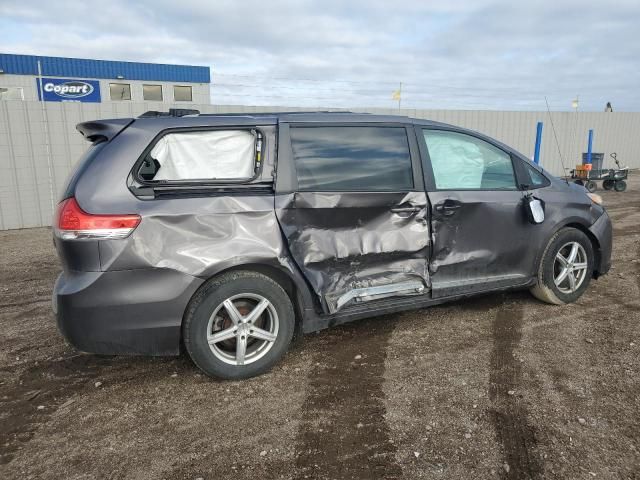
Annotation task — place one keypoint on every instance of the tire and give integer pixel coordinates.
(578, 182)
(245, 290)
(620, 186)
(551, 268)
(608, 184)
(591, 186)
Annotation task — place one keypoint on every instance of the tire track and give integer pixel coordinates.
(509, 414)
(343, 433)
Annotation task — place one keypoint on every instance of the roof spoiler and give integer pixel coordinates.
(100, 130)
(173, 112)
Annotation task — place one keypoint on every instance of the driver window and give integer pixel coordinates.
(464, 162)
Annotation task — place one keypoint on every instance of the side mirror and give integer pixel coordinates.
(534, 208)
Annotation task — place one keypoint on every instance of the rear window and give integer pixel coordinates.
(217, 155)
(352, 158)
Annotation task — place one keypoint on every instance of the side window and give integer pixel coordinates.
(182, 93)
(120, 91)
(206, 155)
(464, 162)
(11, 93)
(533, 178)
(352, 158)
(152, 93)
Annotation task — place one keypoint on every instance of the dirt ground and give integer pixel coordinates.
(500, 386)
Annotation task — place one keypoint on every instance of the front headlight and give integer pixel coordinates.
(595, 198)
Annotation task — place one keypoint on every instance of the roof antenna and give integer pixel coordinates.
(557, 142)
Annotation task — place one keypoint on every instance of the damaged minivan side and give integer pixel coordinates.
(229, 233)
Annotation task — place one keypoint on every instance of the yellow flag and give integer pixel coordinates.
(395, 95)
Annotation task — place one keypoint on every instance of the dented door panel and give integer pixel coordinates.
(482, 243)
(347, 243)
(480, 231)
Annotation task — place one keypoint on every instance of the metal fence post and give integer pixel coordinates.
(589, 146)
(536, 154)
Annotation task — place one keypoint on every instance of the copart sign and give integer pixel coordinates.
(68, 90)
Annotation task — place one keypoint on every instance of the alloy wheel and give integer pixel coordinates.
(570, 267)
(242, 329)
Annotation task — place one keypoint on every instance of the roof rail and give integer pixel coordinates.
(173, 112)
(183, 112)
(264, 114)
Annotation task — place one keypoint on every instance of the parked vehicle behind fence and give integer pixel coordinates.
(229, 233)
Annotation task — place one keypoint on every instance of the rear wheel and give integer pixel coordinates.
(608, 184)
(238, 325)
(591, 186)
(620, 185)
(565, 269)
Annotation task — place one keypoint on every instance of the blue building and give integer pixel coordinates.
(60, 79)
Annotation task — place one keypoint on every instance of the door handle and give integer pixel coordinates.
(447, 207)
(406, 209)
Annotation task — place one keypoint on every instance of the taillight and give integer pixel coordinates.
(74, 223)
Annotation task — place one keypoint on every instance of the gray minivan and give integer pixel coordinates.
(229, 233)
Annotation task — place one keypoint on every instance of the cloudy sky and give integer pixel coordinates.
(474, 54)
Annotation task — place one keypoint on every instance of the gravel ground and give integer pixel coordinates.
(500, 386)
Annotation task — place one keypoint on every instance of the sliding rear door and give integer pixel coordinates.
(352, 206)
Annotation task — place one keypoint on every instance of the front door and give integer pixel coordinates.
(480, 230)
(351, 203)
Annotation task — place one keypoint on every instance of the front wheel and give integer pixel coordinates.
(608, 184)
(565, 269)
(238, 325)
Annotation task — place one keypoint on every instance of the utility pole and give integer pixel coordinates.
(47, 137)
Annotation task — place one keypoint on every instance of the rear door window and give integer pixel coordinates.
(216, 155)
(351, 158)
(464, 162)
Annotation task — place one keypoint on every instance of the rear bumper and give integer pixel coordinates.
(123, 312)
(603, 231)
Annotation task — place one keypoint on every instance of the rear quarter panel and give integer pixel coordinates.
(198, 235)
(187, 234)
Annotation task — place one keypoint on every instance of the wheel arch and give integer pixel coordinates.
(578, 224)
(595, 244)
(279, 276)
(295, 288)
